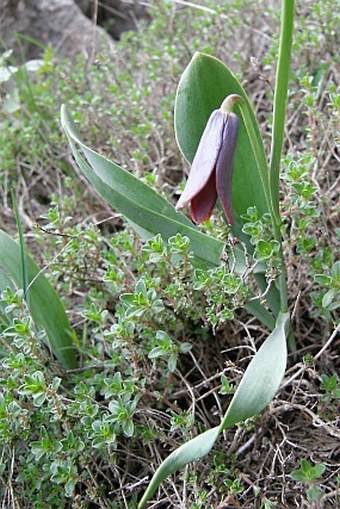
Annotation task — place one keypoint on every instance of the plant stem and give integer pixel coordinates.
(24, 270)
(280, 98)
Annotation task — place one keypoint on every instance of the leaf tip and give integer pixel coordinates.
(63, 115)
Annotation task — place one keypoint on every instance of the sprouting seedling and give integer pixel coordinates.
(308, 474)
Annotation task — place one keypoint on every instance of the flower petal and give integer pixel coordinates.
(205, 158)
(201, 206)
(224, 164)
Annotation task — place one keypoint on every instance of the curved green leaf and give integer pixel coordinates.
(256, 390)
(262, 378)
(44, 304)
(190, 451)
(147, 210)
(204, 85)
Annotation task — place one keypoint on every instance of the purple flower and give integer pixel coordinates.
(211, 170)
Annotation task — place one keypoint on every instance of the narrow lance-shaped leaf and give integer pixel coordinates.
(139, 203)
(152, 214)
(25, 280)
(256, 390)
(262, 377)
(44, 304)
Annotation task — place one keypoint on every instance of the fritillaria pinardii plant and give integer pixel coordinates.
(217, 132)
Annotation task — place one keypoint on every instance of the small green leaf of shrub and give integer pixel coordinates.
(307, 472)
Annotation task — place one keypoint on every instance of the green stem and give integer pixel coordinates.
(280, 98)
(24, 269)
(259, 154)
(279, 113)
(282, 283)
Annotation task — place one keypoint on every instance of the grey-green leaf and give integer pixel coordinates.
(262, 377)
(143, 207)
(191, 451)
(257, 388)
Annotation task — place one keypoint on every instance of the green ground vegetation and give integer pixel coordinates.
(161, 345)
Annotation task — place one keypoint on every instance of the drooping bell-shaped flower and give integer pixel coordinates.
(211, 171)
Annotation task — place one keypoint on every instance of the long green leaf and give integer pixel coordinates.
(139, 203)
(256, 390)
(191, 451)
(44, 304)
(204, 85)
(148, 212)
(262, 377)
